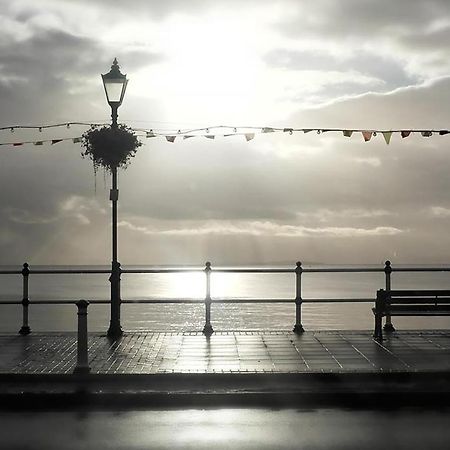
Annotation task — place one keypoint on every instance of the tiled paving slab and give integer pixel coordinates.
(229, 352)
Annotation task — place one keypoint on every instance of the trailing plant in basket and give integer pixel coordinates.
(110, 147)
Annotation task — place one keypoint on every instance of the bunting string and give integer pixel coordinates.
(212, 132)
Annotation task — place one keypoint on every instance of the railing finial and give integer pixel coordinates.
(387, 267)
(26, 269)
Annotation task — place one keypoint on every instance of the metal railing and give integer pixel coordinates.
(298, 300)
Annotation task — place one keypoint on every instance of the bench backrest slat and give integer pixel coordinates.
(418, 300)
(418, 308)
(417, 293)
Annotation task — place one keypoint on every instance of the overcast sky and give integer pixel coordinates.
(325, 198)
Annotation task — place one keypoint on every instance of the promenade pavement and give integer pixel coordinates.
(229, 352)
(228, 368)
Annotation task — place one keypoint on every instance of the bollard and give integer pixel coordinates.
(82, 366)
(388, 270)
(25, 301)
(298, 327)
(208, 329)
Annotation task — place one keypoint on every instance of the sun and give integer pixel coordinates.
(210, 68)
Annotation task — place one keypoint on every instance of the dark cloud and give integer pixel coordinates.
(155, 9)
(362, 18)
(44, 70)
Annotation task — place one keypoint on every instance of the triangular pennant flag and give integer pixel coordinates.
(366, 135)
(426, 133)
(210, 136)
(405, 133)
(150, 134)
(267, 130)
(55, 141)
(39, 143)
(249, 136)
(187, 136)
(76, 140)
(307, 130)
(387, 136)
(170, 138)
(16, 144)
(347, 133)
(442, 132)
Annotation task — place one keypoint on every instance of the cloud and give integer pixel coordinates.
(413, 32)
(262, 229)
(382, 72)
(72, 207)
(372, 161)
(439, 211)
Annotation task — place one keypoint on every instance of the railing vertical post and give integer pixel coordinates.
(208, 329)
(298, 327)
(82, 366)
(388, 270)
(25, 301)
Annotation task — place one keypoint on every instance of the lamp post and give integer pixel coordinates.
(115, 84)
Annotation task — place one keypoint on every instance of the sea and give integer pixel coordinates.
(224, 317)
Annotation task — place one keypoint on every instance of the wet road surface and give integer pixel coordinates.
(258, 428)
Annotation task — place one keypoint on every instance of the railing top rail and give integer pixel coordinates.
(165, 270)
(253, 270)
(420, 269)
(67, 271)
(186, 269)
(342, 269)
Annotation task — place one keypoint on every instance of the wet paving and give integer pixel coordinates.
(258, 428)
(229, 352)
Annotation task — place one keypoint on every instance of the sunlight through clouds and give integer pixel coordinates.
(350, 64)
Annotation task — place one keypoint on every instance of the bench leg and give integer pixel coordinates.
(378, 333)
(388, 325)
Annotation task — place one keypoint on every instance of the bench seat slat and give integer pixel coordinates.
(418, 308)
(400, 310)
(419, 313)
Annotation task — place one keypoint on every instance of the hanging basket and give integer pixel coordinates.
(109, 147)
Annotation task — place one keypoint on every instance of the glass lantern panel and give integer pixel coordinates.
(114, 90)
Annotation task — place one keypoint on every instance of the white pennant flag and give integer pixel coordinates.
(387, 136)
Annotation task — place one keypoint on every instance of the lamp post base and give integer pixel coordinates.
(25, 330)
(298, 329)
(208, 330)
(114, 331)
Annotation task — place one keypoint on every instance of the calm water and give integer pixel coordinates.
(224, 317)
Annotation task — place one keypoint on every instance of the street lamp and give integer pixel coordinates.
(115, 84)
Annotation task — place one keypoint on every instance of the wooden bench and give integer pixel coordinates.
(409, 303)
